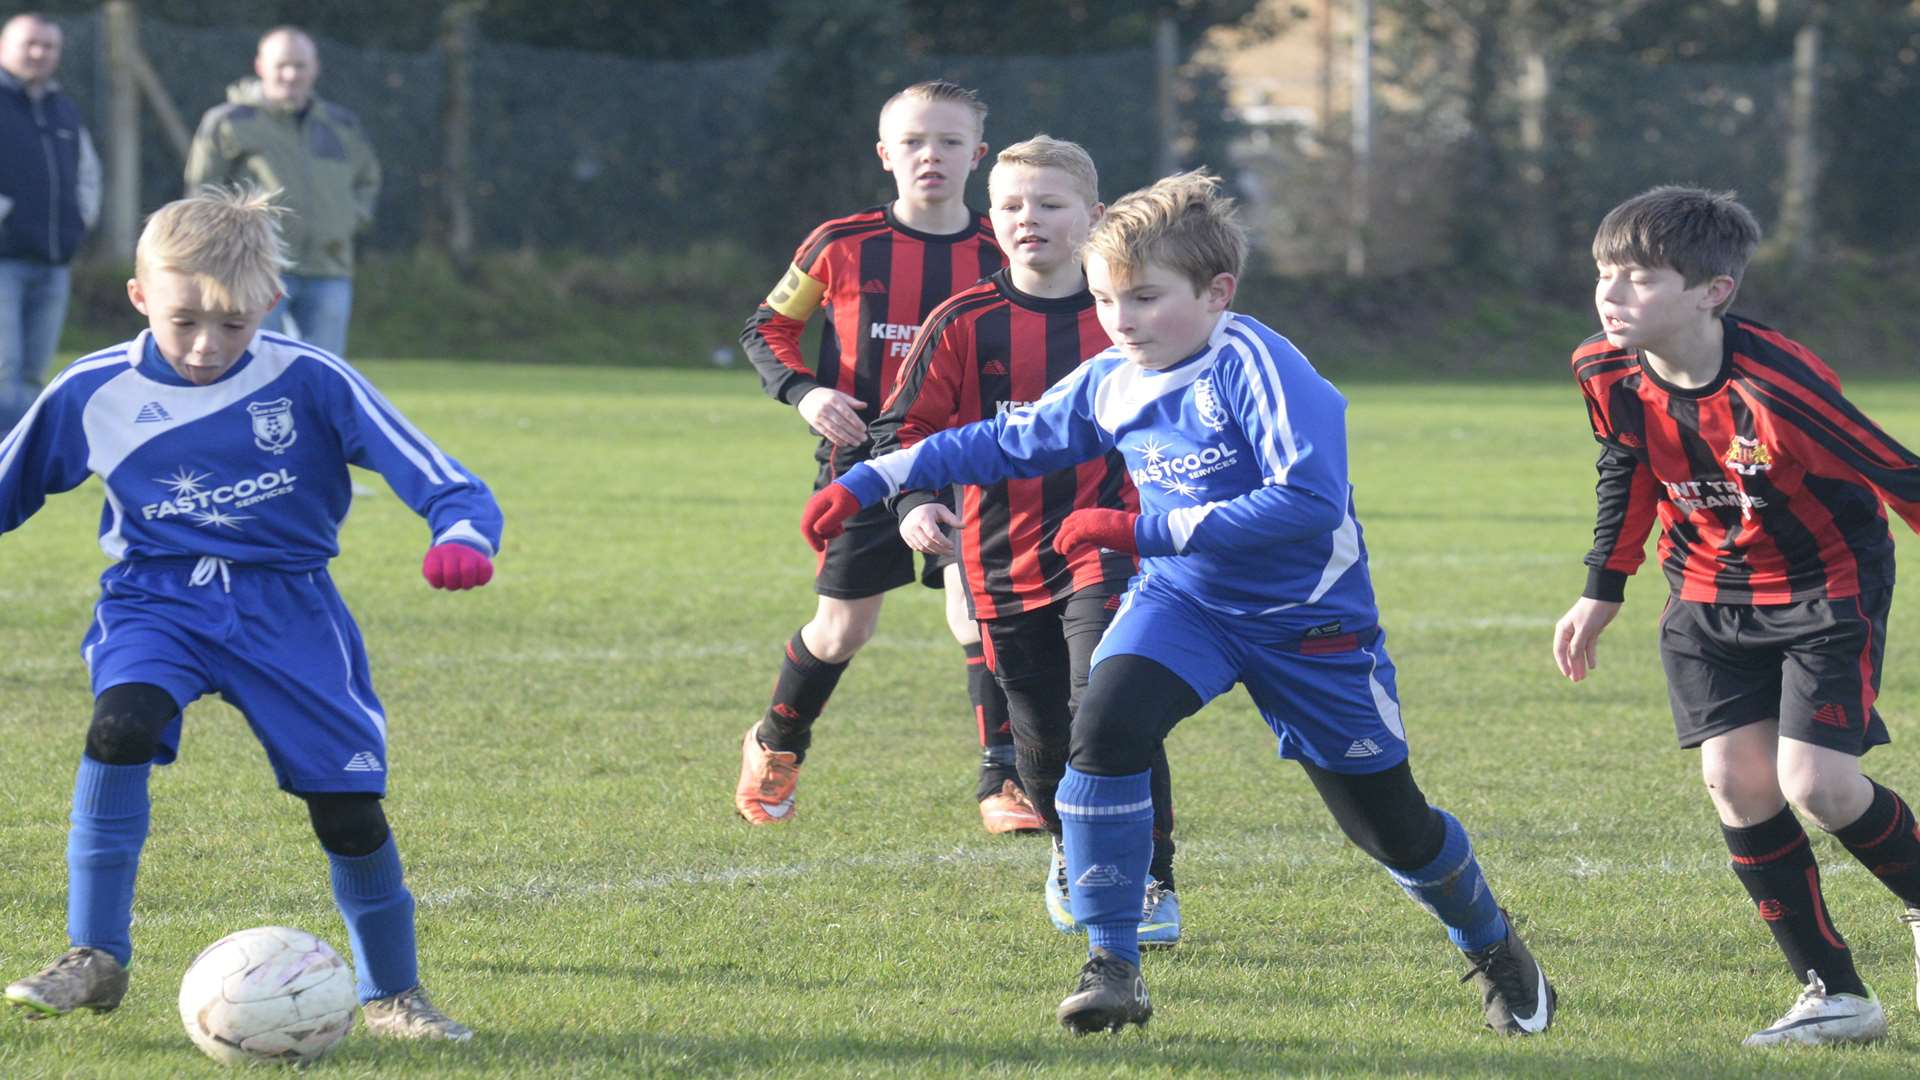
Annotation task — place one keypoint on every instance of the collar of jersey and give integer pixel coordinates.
(1728, 327)
(155, 367)
(1072, 302)
(894, 223)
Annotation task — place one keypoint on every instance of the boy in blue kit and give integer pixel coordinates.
(224, 454)
(1252, 570)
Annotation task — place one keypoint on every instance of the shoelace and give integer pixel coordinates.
(1811, 995)
(1099, 969)
(207, 567)
(1502, 968)
(414, 1005)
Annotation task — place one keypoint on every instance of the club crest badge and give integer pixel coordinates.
(1748, 457)
(1208, 404)
(273, 424)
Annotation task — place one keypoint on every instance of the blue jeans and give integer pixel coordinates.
(319, 308)
(33, 305)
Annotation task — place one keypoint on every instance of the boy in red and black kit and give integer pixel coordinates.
(991, 349)
(1768, 485)
(877, 273)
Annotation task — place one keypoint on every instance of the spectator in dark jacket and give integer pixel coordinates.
(49, 198)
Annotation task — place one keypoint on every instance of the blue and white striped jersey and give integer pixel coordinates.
(251, 468)
(1240, 456)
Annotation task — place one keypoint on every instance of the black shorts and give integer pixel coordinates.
(1052, 645)
(870, 558)
(1813, 665)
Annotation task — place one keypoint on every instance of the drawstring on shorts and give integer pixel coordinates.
(207, 567)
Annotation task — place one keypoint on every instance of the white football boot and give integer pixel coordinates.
(1818, 1018)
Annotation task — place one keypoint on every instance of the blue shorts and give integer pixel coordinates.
(1330, 700)
(280, 647)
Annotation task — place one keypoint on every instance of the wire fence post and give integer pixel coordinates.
(123, 127)
(1166, 63)
(1801, 186)
(457, 36)
(1360, 194)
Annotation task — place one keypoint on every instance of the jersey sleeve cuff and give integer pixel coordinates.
(795, 389)
(463, 532)
(866, 483)
(1152, 535)
(908, 501)
(1604, 584)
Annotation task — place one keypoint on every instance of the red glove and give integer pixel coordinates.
(456, 566)
(1112, 529)
(826, 515)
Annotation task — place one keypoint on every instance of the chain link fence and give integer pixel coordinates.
(1713, 125)
(590, 152)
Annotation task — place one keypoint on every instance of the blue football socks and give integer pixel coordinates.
(111, 813)
(1452, 887)
(1107, 824)
(374, 900)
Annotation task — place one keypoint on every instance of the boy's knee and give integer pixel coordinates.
(1111, 743)
(1829, 806)
(838, 641)
(1746, 786)
(838, 630)
(349, 824)
(127, 720)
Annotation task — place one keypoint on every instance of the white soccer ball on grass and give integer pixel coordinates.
(270, 994)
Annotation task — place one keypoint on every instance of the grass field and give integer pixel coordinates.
(564, 744)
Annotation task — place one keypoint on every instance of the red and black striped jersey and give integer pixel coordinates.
(1768, 483)
(990, 349)
(877, 279)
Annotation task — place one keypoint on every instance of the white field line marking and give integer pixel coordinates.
(677, 651)
(1240, 855)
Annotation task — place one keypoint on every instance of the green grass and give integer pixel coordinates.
(564, 744)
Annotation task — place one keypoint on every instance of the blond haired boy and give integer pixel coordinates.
(876, 274)
(1769, 487)
(990, 349)
(224, 452)
(1253, 570)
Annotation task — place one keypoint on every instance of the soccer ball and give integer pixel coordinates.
(267, 994)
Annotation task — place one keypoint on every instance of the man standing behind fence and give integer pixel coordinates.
(274, 132)
(49, 198)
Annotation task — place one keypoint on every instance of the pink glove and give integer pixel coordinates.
(456, 566)
(1093, 527)
(826, 514)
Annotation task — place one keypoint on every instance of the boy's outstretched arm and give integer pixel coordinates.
(1624, 512)
(457, 505)
(45, 453)
(1053, 433)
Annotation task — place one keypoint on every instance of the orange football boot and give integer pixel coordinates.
(1009, 811)
(764, 795)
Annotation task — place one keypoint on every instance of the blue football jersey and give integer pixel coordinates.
(1240, 456)
(251, 468)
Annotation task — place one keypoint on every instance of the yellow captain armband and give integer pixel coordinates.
(797, 295)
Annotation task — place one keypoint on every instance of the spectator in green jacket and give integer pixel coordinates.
(274, 132)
